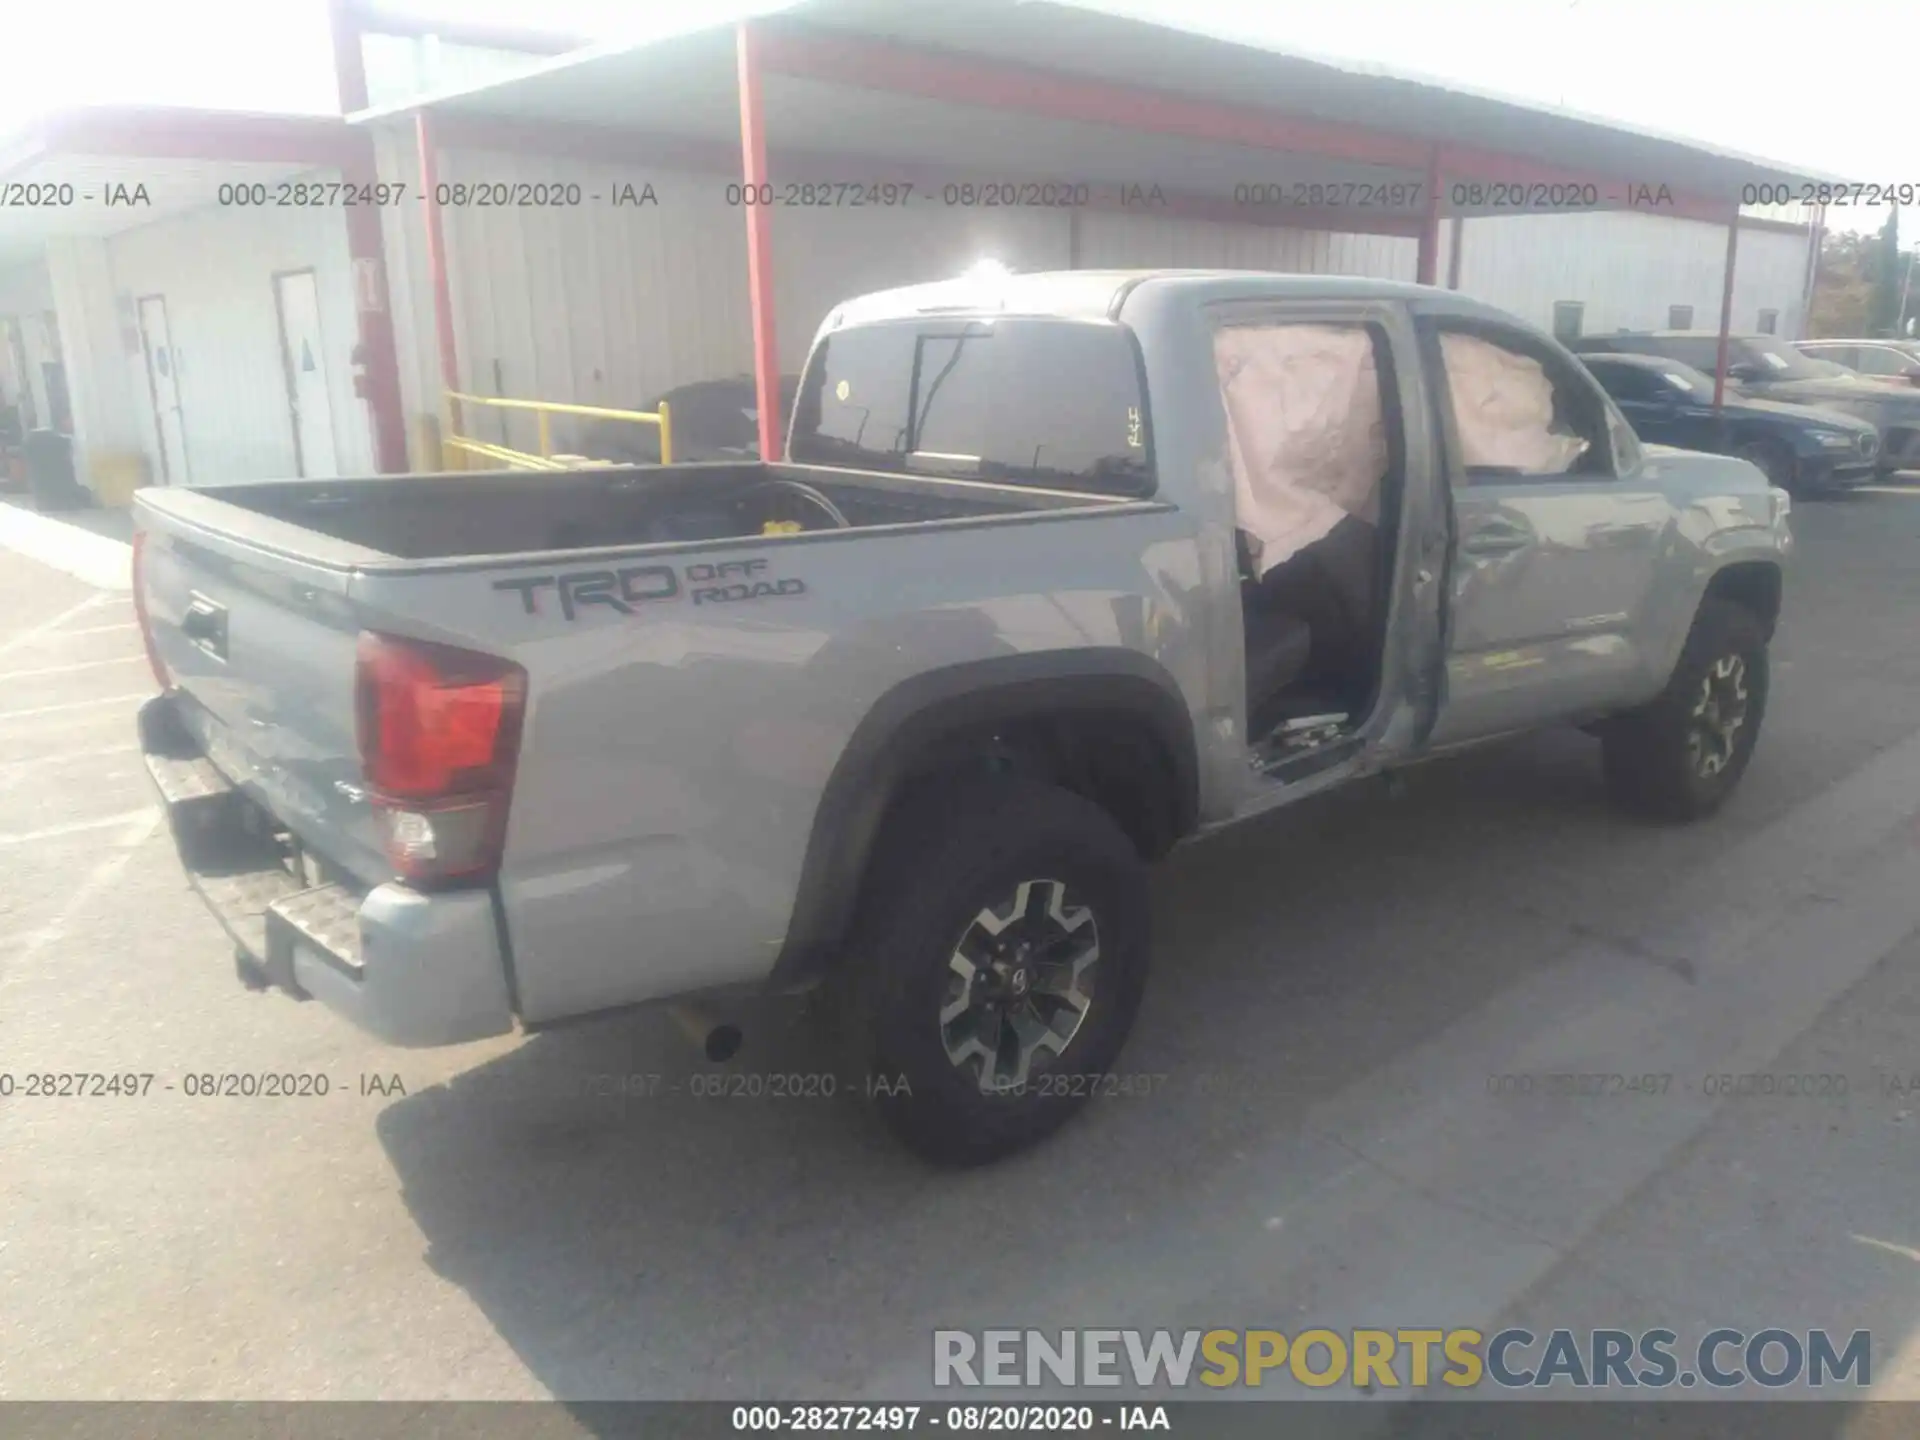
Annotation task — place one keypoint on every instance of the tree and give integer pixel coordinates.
(1883, 313)
(1844, 292)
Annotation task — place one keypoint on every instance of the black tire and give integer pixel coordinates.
(1651, 765)
(952, 853)
(1775, 461)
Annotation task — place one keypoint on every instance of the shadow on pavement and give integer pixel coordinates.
(112, 524)
(667, 1236)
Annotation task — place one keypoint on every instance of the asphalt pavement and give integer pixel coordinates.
(1319, 1132)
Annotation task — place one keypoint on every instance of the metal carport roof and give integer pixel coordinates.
(829, 62)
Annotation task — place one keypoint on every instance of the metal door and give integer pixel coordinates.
(297, 297)
(1551, 573)
(163, 384)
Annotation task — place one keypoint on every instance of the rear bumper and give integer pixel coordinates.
(410, 968)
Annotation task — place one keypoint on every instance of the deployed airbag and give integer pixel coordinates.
(1306, 436)
(1503, 409)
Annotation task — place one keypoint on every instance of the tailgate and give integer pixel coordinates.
(261, 645)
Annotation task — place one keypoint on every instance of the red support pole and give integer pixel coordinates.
(437, 254)
(1429, 260)
(377, 357)
(1726, 314)
(753, 170)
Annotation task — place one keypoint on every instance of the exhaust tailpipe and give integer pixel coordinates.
(718, 1040)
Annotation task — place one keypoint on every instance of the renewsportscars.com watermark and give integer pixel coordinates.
(1366, 1359)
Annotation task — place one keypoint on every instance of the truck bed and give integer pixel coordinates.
(499, 513)
(257, 596)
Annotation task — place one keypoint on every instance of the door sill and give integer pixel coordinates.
(1289, 767)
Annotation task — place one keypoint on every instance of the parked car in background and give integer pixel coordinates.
(712, 420)
(1801, 449)
(1765, 367)
(1877, 359)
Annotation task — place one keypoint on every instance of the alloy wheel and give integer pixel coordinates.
(1719, 713)
(1020, 984)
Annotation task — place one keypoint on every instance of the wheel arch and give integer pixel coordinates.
(1121, 710)
(1755, 585)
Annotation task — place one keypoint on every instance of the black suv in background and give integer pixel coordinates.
(1765, 367)
(1803, 450)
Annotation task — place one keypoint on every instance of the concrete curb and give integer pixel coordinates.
(96, 559)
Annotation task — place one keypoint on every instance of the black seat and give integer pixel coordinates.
(1279, 642)
(1278, 646)
(1329, 584)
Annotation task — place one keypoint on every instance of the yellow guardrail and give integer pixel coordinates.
(544, 411)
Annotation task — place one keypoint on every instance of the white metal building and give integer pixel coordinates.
(584, 300)
(168, 300)
(611, 305)
(210, 336)
(1636, 271)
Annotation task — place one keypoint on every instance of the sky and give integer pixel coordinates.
(1830, 84)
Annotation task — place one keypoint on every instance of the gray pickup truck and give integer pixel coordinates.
(1063, 570)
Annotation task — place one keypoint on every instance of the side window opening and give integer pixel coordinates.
(1316, 448)
(1306, 431)
(1516, 416)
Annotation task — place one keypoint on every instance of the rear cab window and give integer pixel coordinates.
(1055, 403)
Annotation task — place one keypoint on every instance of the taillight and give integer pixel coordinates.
(140, 611)
(439, 732)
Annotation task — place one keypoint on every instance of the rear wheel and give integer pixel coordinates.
(998, 965)
(1680, 757)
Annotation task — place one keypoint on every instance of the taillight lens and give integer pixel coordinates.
(439, 733)
(154, 661)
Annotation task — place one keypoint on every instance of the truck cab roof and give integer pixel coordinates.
(1100, 294)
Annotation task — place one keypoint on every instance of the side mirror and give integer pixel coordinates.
(1743, 370)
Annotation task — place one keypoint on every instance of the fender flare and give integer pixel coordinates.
(908, 720)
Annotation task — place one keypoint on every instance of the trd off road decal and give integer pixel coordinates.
(627, 589)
